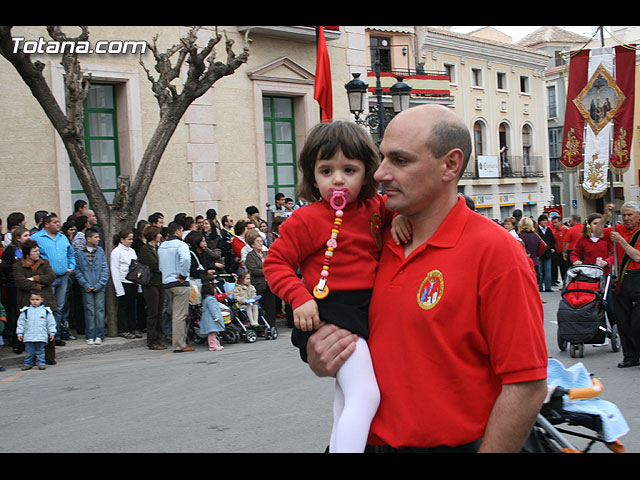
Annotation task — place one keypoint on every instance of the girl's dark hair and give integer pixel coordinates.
(324, 141)
(208, 289)
(193, 239)
(586, 228)
(121, 235)
(242, 274)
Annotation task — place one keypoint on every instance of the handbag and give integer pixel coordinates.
(542, 247)
(139, 273)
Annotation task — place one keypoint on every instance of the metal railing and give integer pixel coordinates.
(505, 166)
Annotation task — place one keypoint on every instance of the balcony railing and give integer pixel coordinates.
(506, 166)
(433, 83)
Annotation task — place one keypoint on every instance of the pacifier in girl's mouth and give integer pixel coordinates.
(338, 198)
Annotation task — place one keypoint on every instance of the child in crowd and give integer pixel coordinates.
(92, 274)
(211, 320)
(244, 291)
(338, 161)
(36, 327)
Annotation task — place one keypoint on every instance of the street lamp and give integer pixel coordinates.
(400, 95)
(356, 94)
(378, 118)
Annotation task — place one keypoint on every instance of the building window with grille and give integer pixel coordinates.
(101, 142)
(280, 147)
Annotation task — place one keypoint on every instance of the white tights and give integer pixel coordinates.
(355, 402)
(252, 314)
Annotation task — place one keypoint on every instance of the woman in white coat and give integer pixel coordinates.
(126, 291)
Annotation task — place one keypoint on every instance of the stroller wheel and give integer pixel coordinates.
(251, 336)
(274, 333)
(576, 350)
(615, 338)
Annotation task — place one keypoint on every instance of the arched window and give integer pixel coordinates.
(478, 138)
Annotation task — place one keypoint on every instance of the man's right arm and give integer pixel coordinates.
(328, 348)
(599, 228)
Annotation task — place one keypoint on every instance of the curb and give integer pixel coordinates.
(76, 348)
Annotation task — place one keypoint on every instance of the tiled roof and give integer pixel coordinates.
(551, 34)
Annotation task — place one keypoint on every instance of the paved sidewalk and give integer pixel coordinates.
(79, 347)
(75, 348)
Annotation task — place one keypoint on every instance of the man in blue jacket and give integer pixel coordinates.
(175, 264)
(56, 248)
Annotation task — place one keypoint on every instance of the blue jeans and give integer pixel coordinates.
(94, 314)
(60, 291)
(544, 274)
(166, 316)
(34, 351)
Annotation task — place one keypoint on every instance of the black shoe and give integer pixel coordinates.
(50, 362)
(628, 363)
(548, 291)
(60, 343)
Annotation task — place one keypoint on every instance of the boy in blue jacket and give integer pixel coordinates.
(36, 327)
(92, 274)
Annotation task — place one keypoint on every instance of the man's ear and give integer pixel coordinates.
(453, 163)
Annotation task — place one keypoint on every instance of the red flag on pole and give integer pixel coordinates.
(322, 91)
(623, 120)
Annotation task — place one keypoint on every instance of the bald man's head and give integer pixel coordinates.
(442, 129)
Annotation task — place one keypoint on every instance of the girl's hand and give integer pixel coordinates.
(306, 316)
(401, 230)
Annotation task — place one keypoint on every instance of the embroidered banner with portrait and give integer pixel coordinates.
(599, 109)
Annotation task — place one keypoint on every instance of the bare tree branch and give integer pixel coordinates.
(202, 71)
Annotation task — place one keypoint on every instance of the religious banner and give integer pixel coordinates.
(623, 121)
(599, 110)
(598, 102)
(573, 134)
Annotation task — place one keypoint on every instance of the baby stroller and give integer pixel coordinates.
(249, 333)
(582, 312)
(230, 334)
(572, 401)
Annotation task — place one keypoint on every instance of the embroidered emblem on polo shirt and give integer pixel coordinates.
(375, 224)
(431, 290)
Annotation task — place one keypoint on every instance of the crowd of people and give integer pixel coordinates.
(63, 269)
(422, 312)
(553, 245)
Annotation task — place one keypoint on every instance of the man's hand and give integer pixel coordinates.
(306, 316)
(328, 348)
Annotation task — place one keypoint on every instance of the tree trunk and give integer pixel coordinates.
(123, 212)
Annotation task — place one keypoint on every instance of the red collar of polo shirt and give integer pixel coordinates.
(447, 234)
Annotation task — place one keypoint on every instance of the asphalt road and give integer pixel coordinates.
(247, 398)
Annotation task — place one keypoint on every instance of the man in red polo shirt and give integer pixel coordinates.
(457, 369)
(557, 260)
(571, 237)
(625, 298)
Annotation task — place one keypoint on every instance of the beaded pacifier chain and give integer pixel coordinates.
(337, 201)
